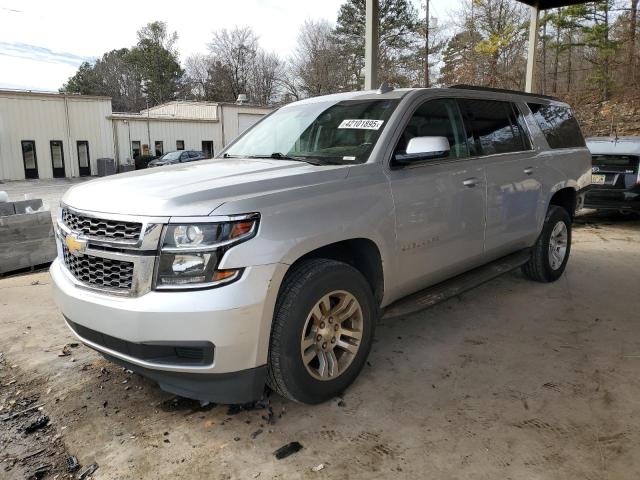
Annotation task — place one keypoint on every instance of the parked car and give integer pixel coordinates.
(615, 179)
(272, 264)
(179, 156)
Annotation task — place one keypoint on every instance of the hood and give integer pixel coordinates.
(195, 188)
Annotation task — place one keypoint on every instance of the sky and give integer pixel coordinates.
(42, 42)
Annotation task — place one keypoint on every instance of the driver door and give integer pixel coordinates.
(440, 203)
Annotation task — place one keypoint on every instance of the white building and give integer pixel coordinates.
(47, 135)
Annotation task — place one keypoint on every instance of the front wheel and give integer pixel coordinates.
(550, 253)
(322, 331)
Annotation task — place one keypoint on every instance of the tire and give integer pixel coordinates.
(543, 266)
(295, 324)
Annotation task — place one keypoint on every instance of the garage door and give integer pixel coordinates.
(245, 120)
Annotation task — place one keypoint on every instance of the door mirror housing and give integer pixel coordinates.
(420, 149)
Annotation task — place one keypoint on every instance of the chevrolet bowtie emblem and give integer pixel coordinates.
(74, 244)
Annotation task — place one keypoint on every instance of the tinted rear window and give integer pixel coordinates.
(628, 162)
(558, 124)
(494, 127)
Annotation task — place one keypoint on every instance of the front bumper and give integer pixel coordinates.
(235, 319)
(237, 387)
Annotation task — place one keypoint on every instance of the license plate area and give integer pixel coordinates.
(598, 178)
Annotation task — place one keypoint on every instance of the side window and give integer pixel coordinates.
(436, 118)
(558, 124)
(493, 126)
(517, 120)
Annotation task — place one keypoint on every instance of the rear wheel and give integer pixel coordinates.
(322, 331)
(550, 253)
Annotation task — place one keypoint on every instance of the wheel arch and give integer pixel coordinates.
(361, 253)
(566, 198)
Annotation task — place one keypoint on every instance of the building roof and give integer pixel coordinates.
(35, 93)
(142, 117)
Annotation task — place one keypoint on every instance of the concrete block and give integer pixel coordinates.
(22, 205)
(26, 240)
(7, 209)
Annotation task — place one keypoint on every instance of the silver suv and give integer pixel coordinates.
(271, 263)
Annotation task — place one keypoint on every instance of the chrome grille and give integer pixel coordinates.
(102, 229)
(100, 272)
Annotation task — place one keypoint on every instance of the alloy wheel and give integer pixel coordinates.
(558, 245)
(332, 335)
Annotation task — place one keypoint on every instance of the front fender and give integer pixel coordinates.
(292, 225)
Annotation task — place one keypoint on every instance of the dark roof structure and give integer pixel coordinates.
(547, 4)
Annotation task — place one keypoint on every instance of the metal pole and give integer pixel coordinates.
(371, 40)
(531, 51)
(426, 49)
(130, 146)
(148, 129)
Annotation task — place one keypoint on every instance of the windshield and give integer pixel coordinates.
(330, 132)
(171, 156)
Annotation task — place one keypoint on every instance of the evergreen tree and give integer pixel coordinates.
(398, 40)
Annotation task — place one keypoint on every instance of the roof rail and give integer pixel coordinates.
(463, 86)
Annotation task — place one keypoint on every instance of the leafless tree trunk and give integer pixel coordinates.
(544, 56)
(556, 60)
(633, 29)
(569, 66)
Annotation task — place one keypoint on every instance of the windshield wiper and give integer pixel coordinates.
(280, 156)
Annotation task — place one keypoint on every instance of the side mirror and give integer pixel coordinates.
(420, 149)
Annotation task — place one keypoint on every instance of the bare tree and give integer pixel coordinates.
(489, 47)
(316, 62)
(633, 30)
(197, 78)
(263, 82)
(236, 52)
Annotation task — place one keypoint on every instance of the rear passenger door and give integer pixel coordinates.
(440, 203)
(501, 141)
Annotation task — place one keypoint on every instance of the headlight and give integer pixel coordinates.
(191, 252)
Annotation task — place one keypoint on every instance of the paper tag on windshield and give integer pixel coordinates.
(362, 124)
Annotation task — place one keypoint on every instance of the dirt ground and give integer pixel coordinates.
(511, 380)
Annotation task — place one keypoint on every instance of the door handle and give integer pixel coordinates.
(528, 170)
(470, 182)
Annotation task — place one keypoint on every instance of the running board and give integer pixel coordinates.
(455, 286)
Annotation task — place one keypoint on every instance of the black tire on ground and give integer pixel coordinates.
(539, 267)
(302, 288)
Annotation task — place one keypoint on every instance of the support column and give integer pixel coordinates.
(533, 47)
(371, 40)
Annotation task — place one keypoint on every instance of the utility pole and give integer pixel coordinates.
(371, 44)
(533, 45)
(426, 47)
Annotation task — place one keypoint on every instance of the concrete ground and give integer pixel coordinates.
(513, 379)
(50, 190)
